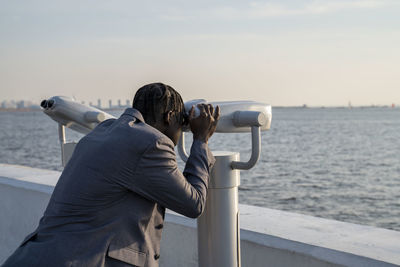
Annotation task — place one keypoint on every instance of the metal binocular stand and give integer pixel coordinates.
(218, 229)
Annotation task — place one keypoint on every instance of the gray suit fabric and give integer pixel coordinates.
(108, 206)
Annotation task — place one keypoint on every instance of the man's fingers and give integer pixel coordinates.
(191, 113)
(202, 110)
(217, 114)
(211, 110)
(207, 108)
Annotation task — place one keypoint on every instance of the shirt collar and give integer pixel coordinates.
(134, 113)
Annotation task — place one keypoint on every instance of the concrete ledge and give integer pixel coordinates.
(268, 237)
(320, 238)
(28, 178)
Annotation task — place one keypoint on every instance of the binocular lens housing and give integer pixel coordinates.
(47, 104)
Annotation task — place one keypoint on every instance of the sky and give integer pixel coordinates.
(284, 53)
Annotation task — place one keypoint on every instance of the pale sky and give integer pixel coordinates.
(279, 52)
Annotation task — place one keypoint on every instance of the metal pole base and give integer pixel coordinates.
(218, 226)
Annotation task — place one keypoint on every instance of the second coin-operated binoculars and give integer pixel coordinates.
(78, 117)
(218, 229)
(218, 226)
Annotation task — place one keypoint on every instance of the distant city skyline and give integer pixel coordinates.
(284, 53)
(109, 103)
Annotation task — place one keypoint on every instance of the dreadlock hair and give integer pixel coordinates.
(158, 98)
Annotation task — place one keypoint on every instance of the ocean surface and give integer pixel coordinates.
(336, 163)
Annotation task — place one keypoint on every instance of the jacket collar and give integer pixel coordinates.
(134, 113)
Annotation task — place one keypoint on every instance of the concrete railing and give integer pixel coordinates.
(268, 237)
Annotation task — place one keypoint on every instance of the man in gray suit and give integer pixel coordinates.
(108, 206)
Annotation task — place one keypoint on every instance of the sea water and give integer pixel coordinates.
(336, 163)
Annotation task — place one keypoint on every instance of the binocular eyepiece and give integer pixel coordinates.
(47, 104)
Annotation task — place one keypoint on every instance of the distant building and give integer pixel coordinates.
(21, 104)
(9, 104)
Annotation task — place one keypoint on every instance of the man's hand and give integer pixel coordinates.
(205, 124)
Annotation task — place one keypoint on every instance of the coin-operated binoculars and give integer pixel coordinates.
(218, 229)
(69, 113)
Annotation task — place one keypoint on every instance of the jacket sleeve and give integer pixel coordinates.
(158, 178)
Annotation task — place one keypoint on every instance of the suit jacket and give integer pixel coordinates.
(108, 206)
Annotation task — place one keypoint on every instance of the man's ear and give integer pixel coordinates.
(168, 117)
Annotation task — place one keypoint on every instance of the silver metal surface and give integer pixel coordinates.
(249, 118)
(67, 152)
(94, 116)
(71, 114)
(181, 148)
(66, 148)
(255, 151)
(217, 227)
(244, 120)
(61, 138)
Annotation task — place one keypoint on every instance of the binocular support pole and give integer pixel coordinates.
(61, 138)
(218, 229)
(66, 148)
